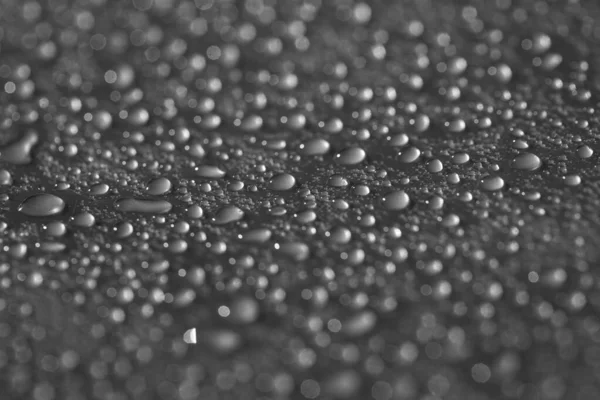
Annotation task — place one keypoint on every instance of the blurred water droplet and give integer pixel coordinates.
(143, 206)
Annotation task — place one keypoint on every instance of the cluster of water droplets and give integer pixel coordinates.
(297, 199)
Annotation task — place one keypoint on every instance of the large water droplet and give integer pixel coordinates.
(492, 183)
(526, 162)
(396, 200)
(159, 186)
(315, 147)
(227, 215)
(350, 156)
(42, 205)
(409, 155)
(282, 182)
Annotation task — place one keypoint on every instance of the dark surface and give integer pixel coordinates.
(299, 199)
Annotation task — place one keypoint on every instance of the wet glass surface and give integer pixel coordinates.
(299, 199)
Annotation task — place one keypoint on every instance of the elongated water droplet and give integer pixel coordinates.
(143, 206)
(350, 156)
(42, 205)
(396, 200)
(282, 182)
(296, 250)
(359, 324)
(315, 147)
(409, 155)
(259, 235)
(210, 172)
(227, 215)
(492, 183)
(526, 162)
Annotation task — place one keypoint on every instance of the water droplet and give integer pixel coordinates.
(315, 147)
(224, 341)
(572, 180)
(350, 156)
(227, 215)
(258, 235)
(435, 166)
(282, 182)
(159, 186)
(143, 206)
(409, 155)
(210, 172)
(5, 178)
(460, 158)
(399, 140)
(295, 250)
(585, 152)
(244, 310)
(99, 189)
(19, 152)
(42, 205)
(84, 219)
(360, 324)
(526, 162)
(343, 384)
(492, 183)
(190, 336)
(396, 200)
(124, 229)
